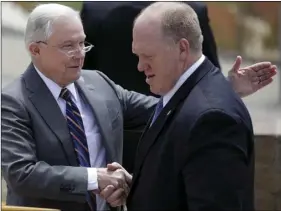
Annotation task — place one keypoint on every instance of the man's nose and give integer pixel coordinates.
(79, 54)
(141, 66)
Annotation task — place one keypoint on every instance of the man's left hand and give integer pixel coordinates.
(246, 81)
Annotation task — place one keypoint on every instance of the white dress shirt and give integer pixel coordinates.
(95, 147)
(182, 79)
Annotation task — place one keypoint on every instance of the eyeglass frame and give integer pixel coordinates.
(89, 47)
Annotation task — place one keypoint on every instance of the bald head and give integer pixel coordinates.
(175, 20)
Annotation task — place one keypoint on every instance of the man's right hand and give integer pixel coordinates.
(114, 166)
(115, 178)
(116, 196)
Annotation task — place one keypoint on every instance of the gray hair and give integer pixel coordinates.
(41, 19)
(178, 20)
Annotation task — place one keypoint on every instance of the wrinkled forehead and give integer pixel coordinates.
(67, 29)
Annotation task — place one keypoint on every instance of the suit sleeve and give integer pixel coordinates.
(217, 171)
(23, 172)
(137, 108)
(209, 43)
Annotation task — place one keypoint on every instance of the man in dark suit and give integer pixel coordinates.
(108, 26)
(197, 151)
(60, 125)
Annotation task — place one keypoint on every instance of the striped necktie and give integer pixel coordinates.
(76, 130)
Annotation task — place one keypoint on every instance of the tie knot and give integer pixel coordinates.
(160, 104)
(65, 94)
(158, 109)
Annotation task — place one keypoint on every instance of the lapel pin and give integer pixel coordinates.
(169, 112)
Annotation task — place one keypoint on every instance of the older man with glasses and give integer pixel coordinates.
(61, 125)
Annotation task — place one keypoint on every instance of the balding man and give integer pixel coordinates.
(197, 152)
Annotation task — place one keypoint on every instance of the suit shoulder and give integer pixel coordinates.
(14, 95)
(91, 75)
(98, 79)
(13, 88)
(214, 93)
(89, 72)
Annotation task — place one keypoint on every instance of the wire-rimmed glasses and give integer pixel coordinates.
(69, 49)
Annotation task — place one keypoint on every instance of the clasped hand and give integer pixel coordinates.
(114, 184)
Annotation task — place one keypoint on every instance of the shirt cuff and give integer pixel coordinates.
(92, 179)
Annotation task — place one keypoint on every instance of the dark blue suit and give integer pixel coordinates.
(199, 153)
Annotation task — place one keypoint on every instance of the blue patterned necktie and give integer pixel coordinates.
(158, 110)
(76, 130)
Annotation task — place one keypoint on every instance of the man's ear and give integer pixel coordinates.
(184, 49)
(34, 49)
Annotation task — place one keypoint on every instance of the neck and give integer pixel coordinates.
(194, 57)
(45, 73)
(191, 60)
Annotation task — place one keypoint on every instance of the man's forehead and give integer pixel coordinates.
(68, 37)
(146, 34)
(147, 22)
(146, 45)
(68, 31)
(147, 28)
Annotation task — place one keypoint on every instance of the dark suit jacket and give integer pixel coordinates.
(199, 153)
(108, 26)
(38, 159)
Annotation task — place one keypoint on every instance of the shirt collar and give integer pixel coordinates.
(55, 89)
(182, 79)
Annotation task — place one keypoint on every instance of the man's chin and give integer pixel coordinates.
(75, 76)
(154, 91)
(78, 74)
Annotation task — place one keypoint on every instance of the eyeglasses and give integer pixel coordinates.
(71, 50)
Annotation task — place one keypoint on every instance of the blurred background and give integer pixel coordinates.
(249, 29)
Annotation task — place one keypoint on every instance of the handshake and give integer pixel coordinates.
(114, 184)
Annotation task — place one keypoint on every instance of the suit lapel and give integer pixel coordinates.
(150, 135)
(44, 102)
(99, 108)
(52, 115)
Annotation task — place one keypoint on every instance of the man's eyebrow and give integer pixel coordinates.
(73, 41)
(67, 41)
